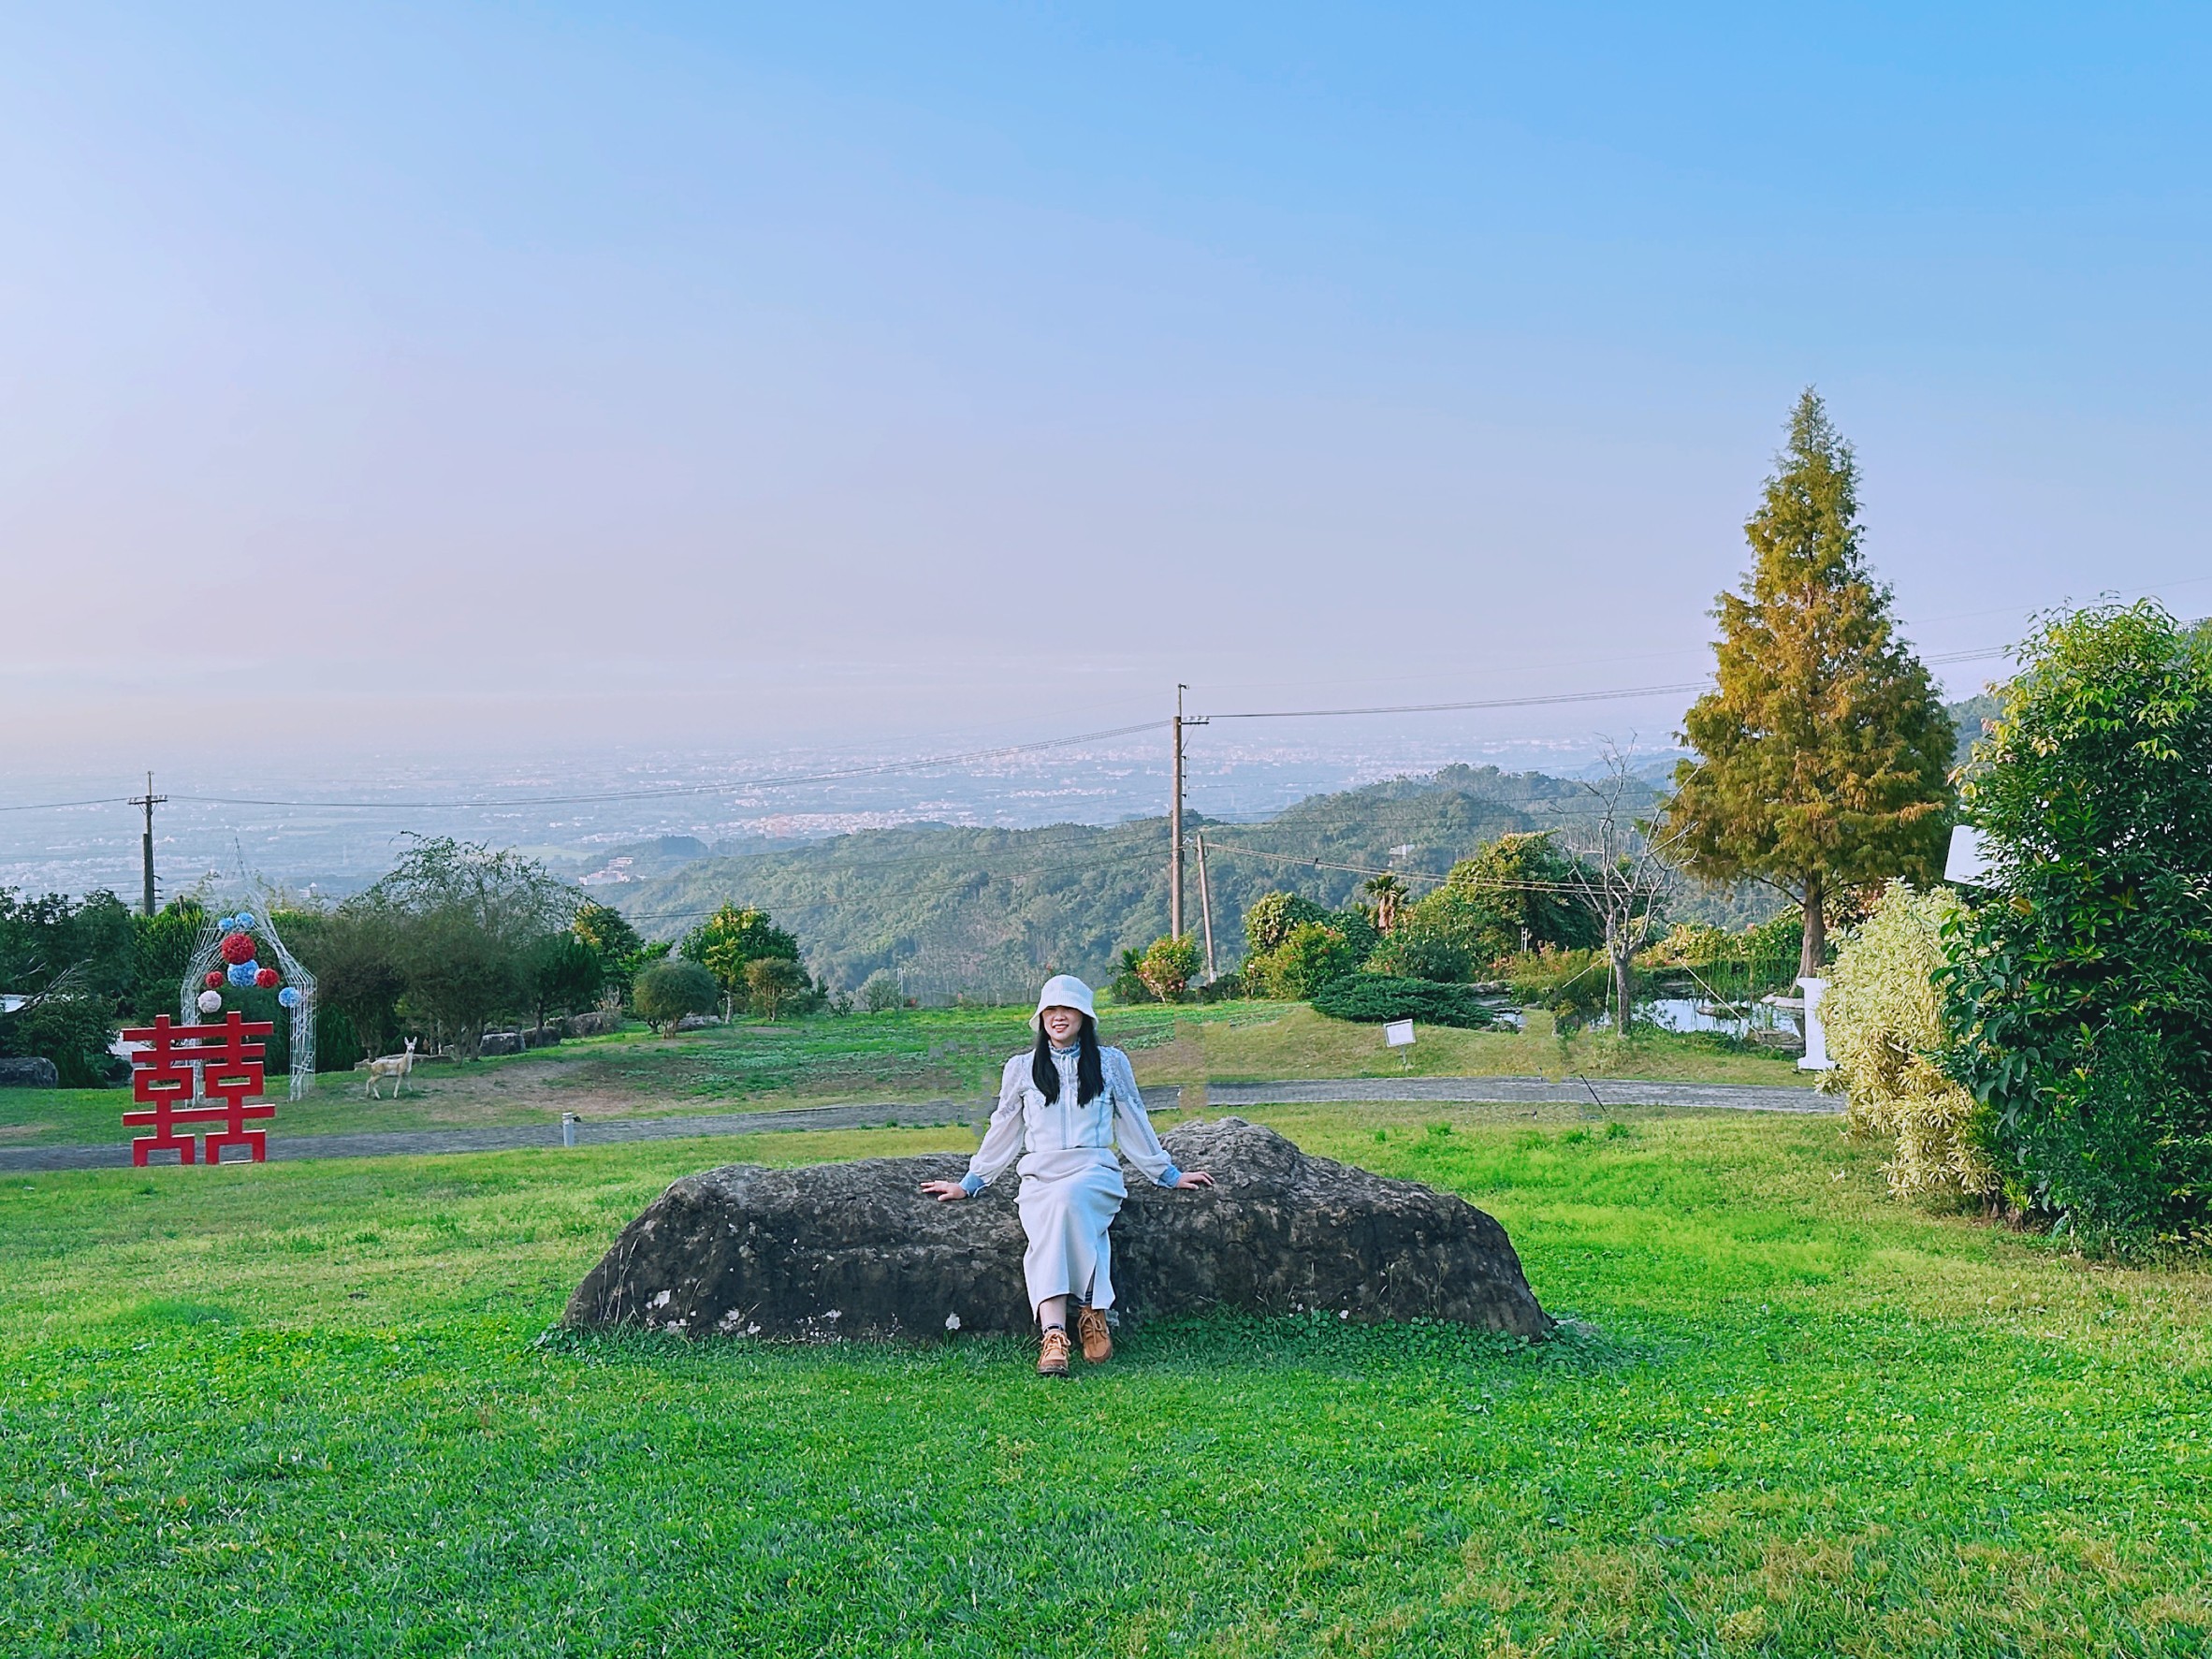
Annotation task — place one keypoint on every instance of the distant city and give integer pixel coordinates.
(270, 822)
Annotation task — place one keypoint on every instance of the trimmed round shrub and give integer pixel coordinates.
(672, 988)
(1374, 999)
(1167, 968)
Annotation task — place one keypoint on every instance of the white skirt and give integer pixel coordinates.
(1067, 1206)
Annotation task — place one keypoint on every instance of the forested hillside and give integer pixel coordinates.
(987, 910)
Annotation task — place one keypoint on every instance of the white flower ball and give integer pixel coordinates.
(211, 1003)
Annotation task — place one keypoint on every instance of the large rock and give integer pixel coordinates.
(854, 1250)
(30, 1071)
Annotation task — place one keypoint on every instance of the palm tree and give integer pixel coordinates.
(1388, 892)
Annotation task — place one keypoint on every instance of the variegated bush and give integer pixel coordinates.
(1883, 1015)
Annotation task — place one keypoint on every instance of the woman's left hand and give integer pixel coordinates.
(1194, 1178)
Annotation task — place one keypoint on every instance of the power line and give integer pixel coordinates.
(1621, 694)
(675, 791)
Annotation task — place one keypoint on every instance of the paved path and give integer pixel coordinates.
(1600, 1091)
(519, 1137)
(1603, 1092)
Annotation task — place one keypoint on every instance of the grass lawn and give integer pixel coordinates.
(1292, 1040)
(917, 1054)
(306, 1408)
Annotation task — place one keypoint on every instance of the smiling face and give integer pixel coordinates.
(1062, 1024)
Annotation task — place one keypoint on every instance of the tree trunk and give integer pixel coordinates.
(1813, 957)
(1617, 954)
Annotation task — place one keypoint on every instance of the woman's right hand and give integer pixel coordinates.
(944, 1191)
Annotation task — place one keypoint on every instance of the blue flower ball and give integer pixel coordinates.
(288, 997)
(241, 973)
(226, 923)
(244, 918)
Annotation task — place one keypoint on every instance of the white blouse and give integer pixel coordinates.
(1058, 1137)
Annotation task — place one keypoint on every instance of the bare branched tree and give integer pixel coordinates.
(1620, 873)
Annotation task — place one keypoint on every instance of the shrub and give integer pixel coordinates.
(879, 993)
(1128, 984)
(1166, 967)
(1308, 958)
(68, 1027)
(1272, 918)
(1417, 952)
(1572, 984)
(1884, 1019)
(1372, 998)
(670, 988)
(2082, 991)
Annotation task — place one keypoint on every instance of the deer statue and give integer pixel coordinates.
(395, 1067)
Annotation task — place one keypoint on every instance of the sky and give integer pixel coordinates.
(431, 380)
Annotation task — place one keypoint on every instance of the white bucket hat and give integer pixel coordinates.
(1064, 990)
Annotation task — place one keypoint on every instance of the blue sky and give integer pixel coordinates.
(817, 372)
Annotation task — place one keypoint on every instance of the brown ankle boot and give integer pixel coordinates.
(1097, 1341)
(1052, 1356)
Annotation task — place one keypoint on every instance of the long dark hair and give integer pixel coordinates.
(1090, 1070)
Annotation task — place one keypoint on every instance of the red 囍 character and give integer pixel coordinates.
(229, 1072)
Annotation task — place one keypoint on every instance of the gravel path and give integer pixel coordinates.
(1602, 1092)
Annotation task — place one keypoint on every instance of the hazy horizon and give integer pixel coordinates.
(425, 386)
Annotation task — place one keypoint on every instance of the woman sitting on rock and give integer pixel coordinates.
(1061, 1107)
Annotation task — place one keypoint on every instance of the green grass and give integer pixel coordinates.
(305, 1409)
(917, 1054)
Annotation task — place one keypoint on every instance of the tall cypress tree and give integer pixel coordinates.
(1822, 751)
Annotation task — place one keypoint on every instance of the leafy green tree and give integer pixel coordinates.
(1822, 751)
(727, 942)
(564, 974)
(773, 981)
(881, 992)
(613, 940)
(356, 956)
(468, 920)
(1517, 893)
(163, 950)
(2080, 990)
(91, 940)
(1168, 967)
(668, 989)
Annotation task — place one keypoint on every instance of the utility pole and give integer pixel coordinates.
(149, 800)
(1175, 821)
(1175, 829)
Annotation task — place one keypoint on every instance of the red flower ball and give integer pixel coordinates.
(238, 947)
(267, 979)
(215, 981)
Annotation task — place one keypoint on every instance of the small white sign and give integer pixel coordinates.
(1398, 1033)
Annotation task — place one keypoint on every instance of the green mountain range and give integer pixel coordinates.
(988, 911)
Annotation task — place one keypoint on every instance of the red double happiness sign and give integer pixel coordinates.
(228, 1069)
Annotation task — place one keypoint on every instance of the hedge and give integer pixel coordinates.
(1373, 998)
